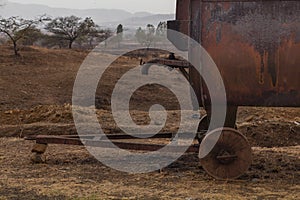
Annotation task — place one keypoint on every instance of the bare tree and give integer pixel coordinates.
(146, 36)
(120, 30)
(32, 36)
(161, 30)
(70, 28)
(50, 41)
(140, 35)
(16, 29)
(105, 35)
(95, 36)
(98, 35)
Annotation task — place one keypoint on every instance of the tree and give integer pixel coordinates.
(146, 37)
(50, 41)
(105, 35)
(140, 35)
(150, 33)
(97, 36)
(16, 29)
(70, 28)
(33, 35)
(120, 30)
(161, 30)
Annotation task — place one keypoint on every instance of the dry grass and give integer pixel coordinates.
(36, 92)
(71, 173)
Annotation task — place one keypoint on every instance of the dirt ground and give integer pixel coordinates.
(35, 99)
(71, 173)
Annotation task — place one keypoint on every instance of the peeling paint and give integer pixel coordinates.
(262, 26)
(255, 45)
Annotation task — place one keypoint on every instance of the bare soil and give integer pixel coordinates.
(36, 92)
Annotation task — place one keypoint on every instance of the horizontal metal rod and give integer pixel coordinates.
(171, 63)
(107, 144)
(43, 139)
(123, 136)
(143, 146)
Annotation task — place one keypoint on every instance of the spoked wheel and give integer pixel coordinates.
(202, 128)
(230, 157)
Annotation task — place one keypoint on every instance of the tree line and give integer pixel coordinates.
(150, 35)
(60, 31)
(65, 31)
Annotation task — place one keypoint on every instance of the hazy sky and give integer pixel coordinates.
(154, 6)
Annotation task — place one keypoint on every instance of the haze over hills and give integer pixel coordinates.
(104, 17)
(135, 22)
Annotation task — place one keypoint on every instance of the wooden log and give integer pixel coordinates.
(38, 158)
(39, 148)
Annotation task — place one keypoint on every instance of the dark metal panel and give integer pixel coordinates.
(182, 26)
(183, 9)
(195, 33)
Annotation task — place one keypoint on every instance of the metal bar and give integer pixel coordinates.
(121, 136)
(226, 157)
(112, 137)
(43, 139)
(142, 147)
(185, 73)
(124, 136)
(171, 63)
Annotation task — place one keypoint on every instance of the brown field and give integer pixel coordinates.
(36, 92)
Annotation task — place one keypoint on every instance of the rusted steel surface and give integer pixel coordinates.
(255, 44)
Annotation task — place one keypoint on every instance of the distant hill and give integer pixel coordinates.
(106, 17)
(135, 22)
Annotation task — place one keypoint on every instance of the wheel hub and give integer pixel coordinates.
(225, 157)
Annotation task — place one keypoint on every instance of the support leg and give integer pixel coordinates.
(38, 151)
(231, 115)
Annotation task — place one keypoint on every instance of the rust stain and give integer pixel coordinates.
(255, 45)
(260, 28)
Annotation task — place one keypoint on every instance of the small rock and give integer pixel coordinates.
(39, 148)
(297, 123)
(38, 158)
(255, 180)
(250, 118)
(9, 112)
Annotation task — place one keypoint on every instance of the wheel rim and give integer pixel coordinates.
(230, 158)
(202, 128)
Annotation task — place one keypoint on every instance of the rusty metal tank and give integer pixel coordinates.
(255, 45)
